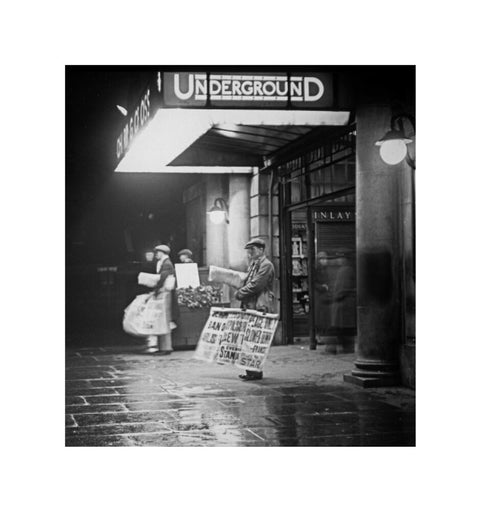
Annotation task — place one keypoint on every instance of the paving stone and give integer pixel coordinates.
(87, 374)
(74, 400)
(70, 421)
(86, 408)
(117, 429)
(120, 418)
(87, 391)
(119, 397)
(182, 405)
(95, 441)
(76, 387)
(307, 430)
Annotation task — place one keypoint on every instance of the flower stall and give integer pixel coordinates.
(194, 308)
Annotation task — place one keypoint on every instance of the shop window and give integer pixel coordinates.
(299, 281)
(296, 186)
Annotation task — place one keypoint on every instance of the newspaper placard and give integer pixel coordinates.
(238, 337)
(187, 275)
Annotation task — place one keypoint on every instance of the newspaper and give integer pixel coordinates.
(232, 278)
(148, 279)
(237, 337)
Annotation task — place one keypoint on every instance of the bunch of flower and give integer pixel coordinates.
(196, 298)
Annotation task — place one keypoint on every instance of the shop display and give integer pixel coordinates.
(300, 298)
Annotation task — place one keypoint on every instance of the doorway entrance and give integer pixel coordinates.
(321, 276)
(317, 231)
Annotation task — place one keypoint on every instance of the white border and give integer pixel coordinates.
(39, 39)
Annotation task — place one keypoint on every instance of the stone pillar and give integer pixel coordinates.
(407, 235)
(239, 216)
(264, 223)
(216, 253)
(378, 296)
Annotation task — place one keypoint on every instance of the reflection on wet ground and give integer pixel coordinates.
(125, 399)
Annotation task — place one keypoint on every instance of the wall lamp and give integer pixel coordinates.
(393, 145)
(219, 212)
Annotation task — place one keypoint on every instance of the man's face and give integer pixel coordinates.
(254, 253)
(149, 256)
(183, 258)
(159, 254)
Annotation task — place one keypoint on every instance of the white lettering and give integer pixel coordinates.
(299, 88)
(285, 88)
(133, 125)
(257, 88)
(270, 92)
(295, 88)
(119, 146)
(176, 87)
(200, 86)
(130, 129)
(136, 120)
(225, 87)
(236, 88)
(147, 101)
(310, 80)
(247, 88)
(215, 87)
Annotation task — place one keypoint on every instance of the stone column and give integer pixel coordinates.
(239, 216)
(378, 272)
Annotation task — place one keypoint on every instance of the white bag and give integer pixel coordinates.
(148, 279)
(147, 315)
(169, 283)
(225, 276)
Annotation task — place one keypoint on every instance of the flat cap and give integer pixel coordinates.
(255, 242)
(163, 248)
(186, 252)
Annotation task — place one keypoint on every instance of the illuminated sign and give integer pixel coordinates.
(136, 122)
(258, 90)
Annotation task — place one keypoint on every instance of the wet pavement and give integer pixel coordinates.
(116, 396)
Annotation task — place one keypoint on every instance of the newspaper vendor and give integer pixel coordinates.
(162, 345)
(257, 290)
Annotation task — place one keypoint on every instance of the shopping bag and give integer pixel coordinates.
(148, 279)
(225, 276)
(147, 315)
